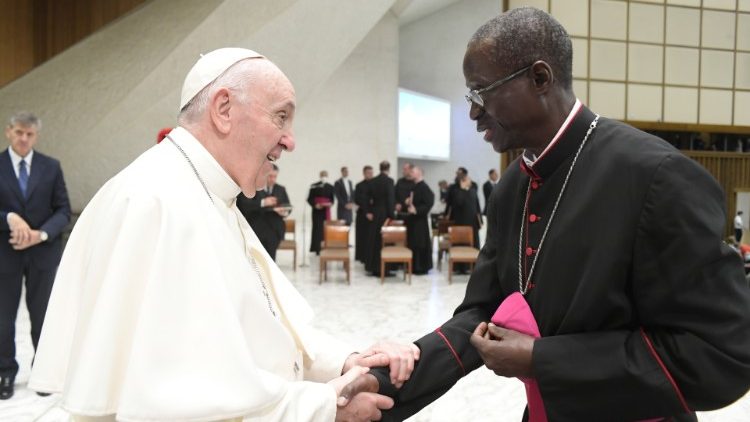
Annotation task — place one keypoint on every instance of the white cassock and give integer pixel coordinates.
(157, 312)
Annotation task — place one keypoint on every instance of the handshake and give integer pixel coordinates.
(357, 390)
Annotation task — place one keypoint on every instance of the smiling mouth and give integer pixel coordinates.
(271, 158)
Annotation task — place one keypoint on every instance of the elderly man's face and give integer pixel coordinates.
(263, 130)
(507, 113)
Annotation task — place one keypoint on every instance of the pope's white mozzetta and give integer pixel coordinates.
(156, 295)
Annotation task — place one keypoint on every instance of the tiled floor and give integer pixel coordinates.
(362, 313)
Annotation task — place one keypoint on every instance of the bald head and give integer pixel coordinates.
(522, 36)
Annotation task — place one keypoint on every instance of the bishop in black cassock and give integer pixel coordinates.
(610, 236)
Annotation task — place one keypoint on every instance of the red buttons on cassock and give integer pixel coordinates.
(533, 218)
(530, 251)
(535, 184)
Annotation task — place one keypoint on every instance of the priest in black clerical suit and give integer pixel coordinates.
(418, 237)
(382, 198)
(404, 186)
(344, 191)
(611, 239)
(265, 212)
(487, 188)
(362, 223)
(320, 197)
(462, 204)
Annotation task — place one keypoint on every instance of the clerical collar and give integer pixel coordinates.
(562, 146)
(217, 181)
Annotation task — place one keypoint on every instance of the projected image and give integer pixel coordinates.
(424, 126)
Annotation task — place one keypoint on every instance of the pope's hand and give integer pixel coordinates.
(505, 352)
(398, 357)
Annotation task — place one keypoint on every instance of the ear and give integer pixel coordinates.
(219, 106)
(543, 76)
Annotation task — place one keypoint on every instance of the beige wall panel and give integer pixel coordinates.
(539, 4)
(716, 107)
(580, 57)
(573, 15)
(608, 60)
(716, 68)
(581, 89)
(743, 5)
(608, 99)
(608, 19)
(719, 4)
(742, 108)
(682, 26)
(743, 71)
(645, 63)
(644, 102)
(718, 29)
(680, 105)
(652, 1)
(743, 31)
(646, 23)
(694, 3)
(681, 66)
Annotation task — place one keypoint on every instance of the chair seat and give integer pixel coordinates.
(461, 253)
(288, 244)
(334, 253)
(395, 252)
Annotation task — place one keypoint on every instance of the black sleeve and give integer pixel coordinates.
(311, 197)
(446, 353)
(692, 351)
(60, 206)
(282, 196)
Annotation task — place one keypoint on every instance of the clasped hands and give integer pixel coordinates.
(505, 352)
(21, 235)
(357, 391)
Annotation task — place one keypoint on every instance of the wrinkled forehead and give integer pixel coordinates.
(482, 57)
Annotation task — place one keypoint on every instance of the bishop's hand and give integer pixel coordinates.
(506, 352)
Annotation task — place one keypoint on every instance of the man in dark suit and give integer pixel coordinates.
(344, 196)
(265, 212)
(362, 225)
(34, 210)
(487, 188)
(382, 197)
(320, 197)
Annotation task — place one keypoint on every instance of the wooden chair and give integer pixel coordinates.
(394, 250)
(327, 223)
(444, 241)
(462, 248)
(290, 244)
(335, 248)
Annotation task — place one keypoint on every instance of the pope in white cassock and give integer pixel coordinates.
(167, 307)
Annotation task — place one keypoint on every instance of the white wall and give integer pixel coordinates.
(431, 52)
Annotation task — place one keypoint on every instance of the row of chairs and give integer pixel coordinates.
(457, 242)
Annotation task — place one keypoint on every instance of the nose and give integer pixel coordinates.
(287, 141)
(475, 111)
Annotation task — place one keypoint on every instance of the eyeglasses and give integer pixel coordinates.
(475, 95)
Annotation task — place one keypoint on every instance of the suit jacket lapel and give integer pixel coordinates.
(8, 175)
(39, 166)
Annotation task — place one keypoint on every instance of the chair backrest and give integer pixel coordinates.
(289, 227)
(395, 223)
(334, 223)
(461, 235)
(393, 235)
(335, 236)
(443, 225)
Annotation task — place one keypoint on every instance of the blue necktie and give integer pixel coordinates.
(23, 177)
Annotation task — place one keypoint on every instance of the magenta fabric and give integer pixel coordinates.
(514, 313)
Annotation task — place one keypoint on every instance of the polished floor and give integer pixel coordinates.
(362, 313)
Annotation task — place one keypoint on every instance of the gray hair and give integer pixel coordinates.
(236, 78)
(524, 35)
(25, 119)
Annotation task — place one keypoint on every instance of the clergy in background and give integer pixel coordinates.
(487, 188)
(320, 197)
(166, 306)
(364, 215)
(265, 212)
(344, 191)
(418, 237)
(382, 200)
(462, 205)
(404, 185)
